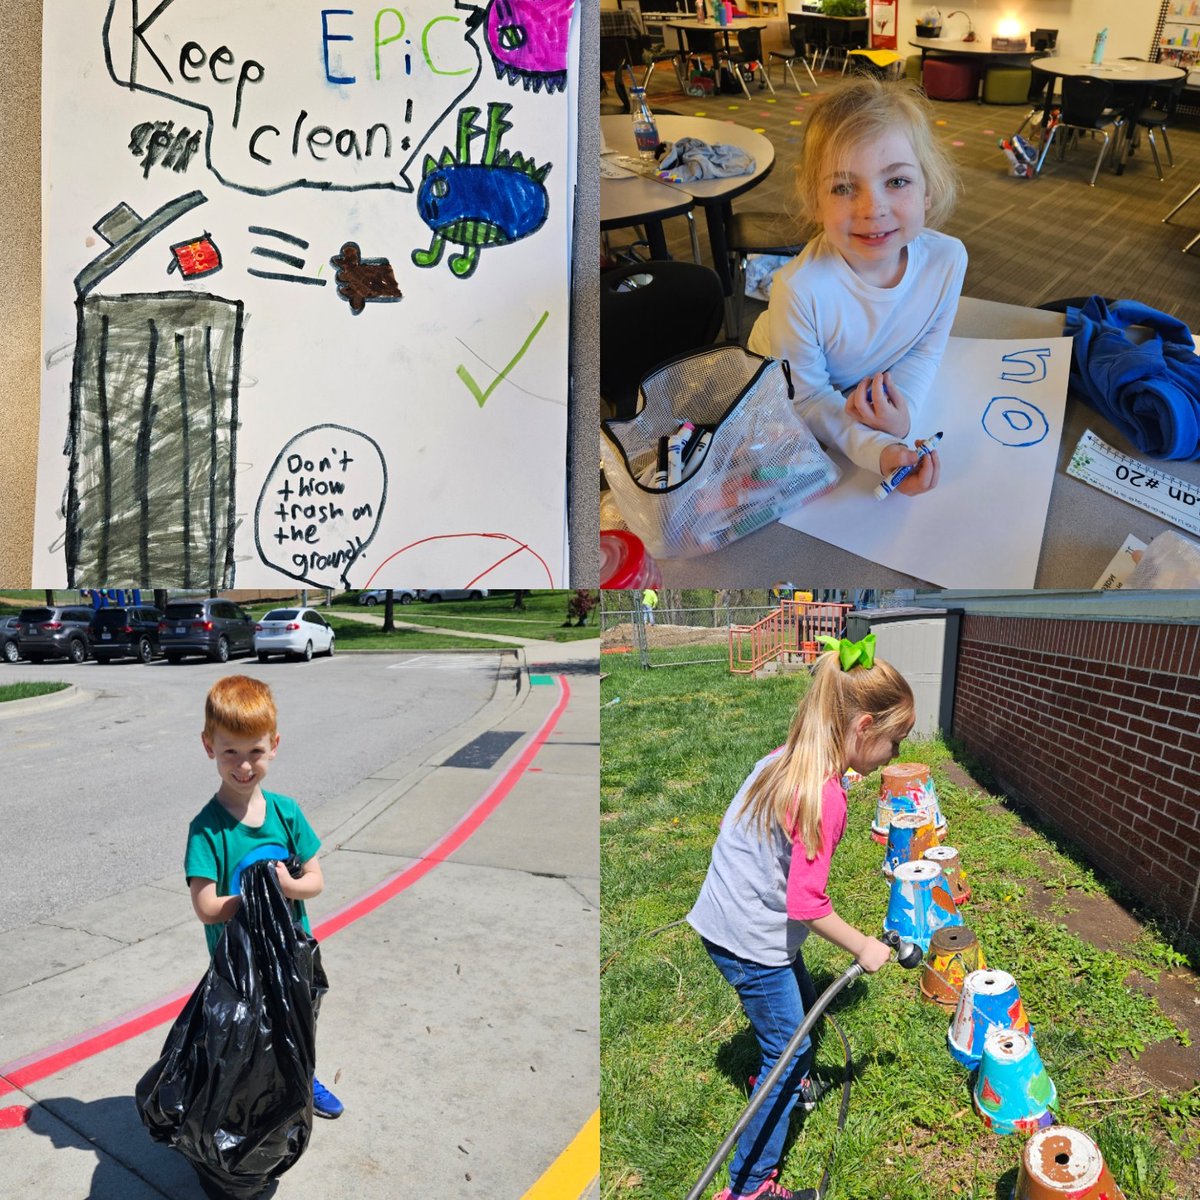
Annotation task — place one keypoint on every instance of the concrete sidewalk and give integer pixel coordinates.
(462, 1022)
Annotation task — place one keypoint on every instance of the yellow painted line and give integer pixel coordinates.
(575, 1169)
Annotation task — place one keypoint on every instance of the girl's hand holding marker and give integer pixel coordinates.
(909, 471)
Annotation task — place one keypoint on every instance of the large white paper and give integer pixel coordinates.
(305, 293)
(999, 405)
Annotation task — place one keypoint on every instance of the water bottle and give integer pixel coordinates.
(645, 129)
(1098, 49)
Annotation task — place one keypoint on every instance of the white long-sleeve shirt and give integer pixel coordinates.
(836, 329)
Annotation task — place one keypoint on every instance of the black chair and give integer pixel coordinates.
(650, 312)
(1086, 107)
(1164, 99)
(799, 32)
(653, 51)
(616, 55)
(746, 59)
(839, 40)
(757, 233)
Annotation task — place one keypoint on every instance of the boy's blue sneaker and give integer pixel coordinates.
(325, 1103)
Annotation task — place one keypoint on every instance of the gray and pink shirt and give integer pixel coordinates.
(757, 893)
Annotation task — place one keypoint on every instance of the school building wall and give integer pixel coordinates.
(1094, 725)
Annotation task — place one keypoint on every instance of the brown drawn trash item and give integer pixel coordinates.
(1060, 1162)
(362, 280)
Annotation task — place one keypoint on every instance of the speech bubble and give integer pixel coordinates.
(320, 505)
(298, 93)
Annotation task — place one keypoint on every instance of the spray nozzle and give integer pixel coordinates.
(908, 954)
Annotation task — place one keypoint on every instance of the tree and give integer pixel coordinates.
(389, 622)
(519, 600)
(579, 605)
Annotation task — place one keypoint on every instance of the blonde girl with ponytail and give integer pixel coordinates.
(766, 883)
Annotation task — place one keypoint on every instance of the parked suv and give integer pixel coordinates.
(10, 647)
(215, 628)
(125, 633)
(54, 631)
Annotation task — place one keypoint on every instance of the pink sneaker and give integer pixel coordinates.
(770, 1190)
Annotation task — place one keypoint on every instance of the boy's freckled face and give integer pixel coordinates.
(242, 762)
(873, 204)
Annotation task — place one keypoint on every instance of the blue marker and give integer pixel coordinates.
(888, 486)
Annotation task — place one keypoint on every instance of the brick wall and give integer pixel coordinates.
(1095, 726)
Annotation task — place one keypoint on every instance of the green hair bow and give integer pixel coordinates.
(852, 653)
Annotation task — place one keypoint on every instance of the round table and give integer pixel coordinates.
(1117, 70)
(951, 48)
(713, 195)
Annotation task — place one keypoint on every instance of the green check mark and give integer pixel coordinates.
(481, 397)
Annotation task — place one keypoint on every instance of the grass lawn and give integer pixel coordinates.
(543, 617)
(23, 691)
(676, 1050)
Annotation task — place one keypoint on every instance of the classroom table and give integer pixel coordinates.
(684, 26)
(1084, 526)
(1117, 70)
(637, 200)
(713, 195)
(953, 48)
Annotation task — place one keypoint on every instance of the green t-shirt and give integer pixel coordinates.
(217, 844)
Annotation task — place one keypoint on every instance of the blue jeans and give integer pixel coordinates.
(775, 1000)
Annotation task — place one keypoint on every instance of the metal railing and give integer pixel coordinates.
(788, 633)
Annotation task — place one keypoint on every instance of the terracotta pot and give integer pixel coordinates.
(909, 835)
(906, 787)
(954, 952)
(947, 858)
(1013, 1093)
(919, 904)
(1061, 1163)
(989, 1000)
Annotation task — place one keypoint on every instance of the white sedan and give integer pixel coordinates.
(294, 632)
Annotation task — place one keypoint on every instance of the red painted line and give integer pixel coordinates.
(454, 837)
(11, 1118)
(49, 1061)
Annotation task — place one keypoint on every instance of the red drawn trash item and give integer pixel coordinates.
(196, 257)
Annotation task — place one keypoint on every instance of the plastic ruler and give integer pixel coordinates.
(1098, 463)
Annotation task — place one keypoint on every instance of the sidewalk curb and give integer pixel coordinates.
(71, 694)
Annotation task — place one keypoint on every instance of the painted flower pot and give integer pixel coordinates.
(1060, 1163)
(948, 859)
(906, 787)
(989, 1000)
(909, 836)
(1013, 1092)
(919, 904)
(850, 778)
(954, 952)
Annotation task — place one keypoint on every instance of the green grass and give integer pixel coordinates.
(676, 1049)
(24, 691)
(543, 617)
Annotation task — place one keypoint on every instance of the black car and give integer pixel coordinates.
(54, 631)
(214, 628)
(125, 633)
(10, 647)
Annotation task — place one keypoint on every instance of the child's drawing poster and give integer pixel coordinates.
(999, 406)
(305, 292)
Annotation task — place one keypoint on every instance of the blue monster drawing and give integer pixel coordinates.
(493, 202)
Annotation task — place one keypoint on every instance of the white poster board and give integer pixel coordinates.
(999, 405)
(305, 293)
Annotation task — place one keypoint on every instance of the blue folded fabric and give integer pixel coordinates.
(691, 159)
(1150, 391)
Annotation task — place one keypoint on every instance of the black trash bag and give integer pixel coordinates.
(232, 1091)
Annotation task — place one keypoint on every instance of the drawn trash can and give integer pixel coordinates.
(153, 424)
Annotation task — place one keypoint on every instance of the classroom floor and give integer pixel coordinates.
(1029, 240)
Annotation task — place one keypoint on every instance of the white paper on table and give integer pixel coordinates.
(999, 405)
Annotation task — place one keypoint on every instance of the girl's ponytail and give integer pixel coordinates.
(787, 791)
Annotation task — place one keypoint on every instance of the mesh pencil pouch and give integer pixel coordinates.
(750, 458)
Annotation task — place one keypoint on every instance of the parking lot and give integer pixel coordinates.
(99, 789)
